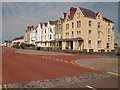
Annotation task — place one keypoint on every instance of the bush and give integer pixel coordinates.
(90, 50)
(38, 48)
(84, 50)
(23, 45)
(16, 46)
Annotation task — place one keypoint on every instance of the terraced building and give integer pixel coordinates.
(88, 31)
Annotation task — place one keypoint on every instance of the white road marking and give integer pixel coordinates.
(88, 86)
(61, 60)
(72, 62)
(66, 61)
(57, 60)
(113, 73)
(92, 68)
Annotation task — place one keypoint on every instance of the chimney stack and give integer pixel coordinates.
(28, 27)
(72, 11)
(64, 15)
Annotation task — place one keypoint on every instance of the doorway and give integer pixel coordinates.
(71, 44)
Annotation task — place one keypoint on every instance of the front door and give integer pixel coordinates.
(71, 44)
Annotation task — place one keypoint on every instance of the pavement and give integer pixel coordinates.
(19, 66)
(98, 84)
(107, 64)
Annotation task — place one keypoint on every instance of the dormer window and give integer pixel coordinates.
(78, 15)
(98, 16)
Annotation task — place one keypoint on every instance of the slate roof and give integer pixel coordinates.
(53, 22)
(88, 13)
(18, 38)
(108, 20)
(61, 19)
(45, 24)
(41, 24)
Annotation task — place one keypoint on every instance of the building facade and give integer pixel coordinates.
(18, 40)
(30, 35)
(49, 34)
(80, 30)
(119, 39)
(39, 35)
(85, 30)
(46, 34)
(58, 33)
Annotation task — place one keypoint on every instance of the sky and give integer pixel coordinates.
(16, 16)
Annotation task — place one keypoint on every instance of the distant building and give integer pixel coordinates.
(49, 34)
(7, 44)
(119, 39)
(58, 33)
(45, 36)
(18, 40)
(82, 30)
(85, 30)
(39, 34)
(3, 44)
(30, 35)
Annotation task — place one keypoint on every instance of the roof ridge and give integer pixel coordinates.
(88, 9)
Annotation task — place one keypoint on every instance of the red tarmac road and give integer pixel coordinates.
(18, 67)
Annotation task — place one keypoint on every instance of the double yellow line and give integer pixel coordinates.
(3, 87)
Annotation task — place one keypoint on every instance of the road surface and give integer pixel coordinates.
(19, 67)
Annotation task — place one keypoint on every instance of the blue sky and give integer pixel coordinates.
(16, 16)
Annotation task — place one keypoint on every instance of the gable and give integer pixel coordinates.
(78, 13)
